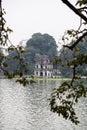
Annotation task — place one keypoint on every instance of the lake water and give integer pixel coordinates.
(27, 108)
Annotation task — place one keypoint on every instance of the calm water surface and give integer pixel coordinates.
(27, 108)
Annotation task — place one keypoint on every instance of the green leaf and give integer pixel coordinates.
(23, 81)
(10, 49)
(9, 30)
(81, 2)
(16, 57)
(69, 32)
(5, 64)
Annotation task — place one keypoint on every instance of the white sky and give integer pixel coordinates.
(26, 17)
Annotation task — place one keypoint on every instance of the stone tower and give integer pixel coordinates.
(43, 67)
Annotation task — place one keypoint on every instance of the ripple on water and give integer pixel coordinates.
(27, 108)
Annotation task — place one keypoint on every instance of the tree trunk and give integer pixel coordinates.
(0, 7)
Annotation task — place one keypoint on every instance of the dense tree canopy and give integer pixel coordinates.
(67, 54)
(43, 44)
(39, 44)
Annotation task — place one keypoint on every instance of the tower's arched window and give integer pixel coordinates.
(41, 66)
(36, 73)
(37, 66)
(41, 73)
(45, 73)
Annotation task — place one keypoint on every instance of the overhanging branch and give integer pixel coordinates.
(74, 9)
(77, 41)
(0, 3)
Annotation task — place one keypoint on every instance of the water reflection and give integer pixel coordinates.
(27, 108)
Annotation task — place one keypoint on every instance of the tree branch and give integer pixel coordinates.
(83, 8)
(0, 3)
(0, 7)
(75, 43)
(75, 10)
(74, 74)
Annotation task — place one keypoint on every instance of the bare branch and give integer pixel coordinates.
(80, 24)
(75, 43)
(83, 8)
(75, 10)
(0, 4)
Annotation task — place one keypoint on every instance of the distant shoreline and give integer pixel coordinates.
(39, 78)
(52, 79)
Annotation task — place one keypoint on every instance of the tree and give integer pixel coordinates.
(1, 56)
(43, 44)
(39, 44)
(4, 40)
(67, 54)
(68, 93)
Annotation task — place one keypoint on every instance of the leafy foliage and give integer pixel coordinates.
(68, 93)
(74, 60)
(77, 57)
(39, 44)
(43, 44)
(4, 40)
(81, 2)
(65, 97)
(1, 57)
